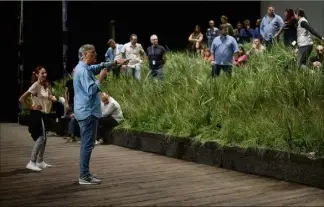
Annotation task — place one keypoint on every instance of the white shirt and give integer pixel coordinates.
(113, 109)
(40, 96)
(304, 37)
(133, 53)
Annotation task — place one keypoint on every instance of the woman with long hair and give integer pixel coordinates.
(195, 39)
(304, 38)
(42, 99)
(290, 28)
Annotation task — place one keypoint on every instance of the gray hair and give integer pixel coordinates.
(84, 49)
(154, 35)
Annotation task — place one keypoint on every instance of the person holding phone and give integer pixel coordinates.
(87, 104)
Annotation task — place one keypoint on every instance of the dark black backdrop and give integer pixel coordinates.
(88, 23)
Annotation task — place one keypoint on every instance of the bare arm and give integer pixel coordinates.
(66, 95)
(200, 39)
(24, 97)
(190, 39)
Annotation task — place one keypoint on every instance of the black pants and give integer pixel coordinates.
(116, 71)
(58, 107)
(216, 69)
(106, 124)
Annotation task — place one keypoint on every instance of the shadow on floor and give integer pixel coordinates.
(16, 172)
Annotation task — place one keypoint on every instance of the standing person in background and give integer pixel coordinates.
(38, 125)
(114, 53)
(237, 31)
(195, 39)
(156, 56)
(304, 38)
(270, 26)
(224, 20)
(257, 34)
(87, 104)
(133, 52)
(247, 33)
(211, 33)
(223, 49)
(290, 28)
(69, 105)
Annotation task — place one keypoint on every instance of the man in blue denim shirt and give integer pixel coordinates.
(112, 54)
(270, 26)
(87, 104)
(223, 49)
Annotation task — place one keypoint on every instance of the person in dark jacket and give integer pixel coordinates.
(290, 28)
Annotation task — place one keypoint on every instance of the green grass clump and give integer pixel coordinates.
(260, 106)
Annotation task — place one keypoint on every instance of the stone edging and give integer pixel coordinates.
(272, 163)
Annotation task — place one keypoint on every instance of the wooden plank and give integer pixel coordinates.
(131, 178)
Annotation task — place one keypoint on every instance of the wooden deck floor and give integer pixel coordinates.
(132, 178)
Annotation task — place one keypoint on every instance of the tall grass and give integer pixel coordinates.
(260, 106)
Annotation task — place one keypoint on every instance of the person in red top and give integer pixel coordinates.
(241, 58)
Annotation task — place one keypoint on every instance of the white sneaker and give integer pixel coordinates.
(97, 142)
(43, 165)
(32, 166)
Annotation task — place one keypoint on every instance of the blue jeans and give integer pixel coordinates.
(156, 73)
(88, 132)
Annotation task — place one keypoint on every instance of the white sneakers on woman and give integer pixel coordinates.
(37, 166)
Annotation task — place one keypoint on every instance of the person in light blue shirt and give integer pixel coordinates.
(270, 27)
(112, 54)
(223, 49)
(87, 104)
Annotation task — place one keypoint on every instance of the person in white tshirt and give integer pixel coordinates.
(112, 115)
(42, 99)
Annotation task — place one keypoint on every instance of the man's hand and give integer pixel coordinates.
(213, 62)
(103, 74)
(122, 61)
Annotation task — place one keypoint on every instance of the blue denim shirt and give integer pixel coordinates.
(110, 52)
(269, 28)
(86, 91)
(247, 33)
(223, 49)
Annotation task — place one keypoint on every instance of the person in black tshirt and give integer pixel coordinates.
(290, 28)
(156, 57)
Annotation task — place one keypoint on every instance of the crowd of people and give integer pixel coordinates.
(90, 109)
(221, 46)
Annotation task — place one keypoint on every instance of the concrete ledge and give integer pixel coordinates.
(273, 163)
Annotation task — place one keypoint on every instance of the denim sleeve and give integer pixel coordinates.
(95, 69)
(262, 28)
(108, 55)
(89, 84)
(235, 46)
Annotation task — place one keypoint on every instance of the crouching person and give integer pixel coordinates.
(112, 115)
